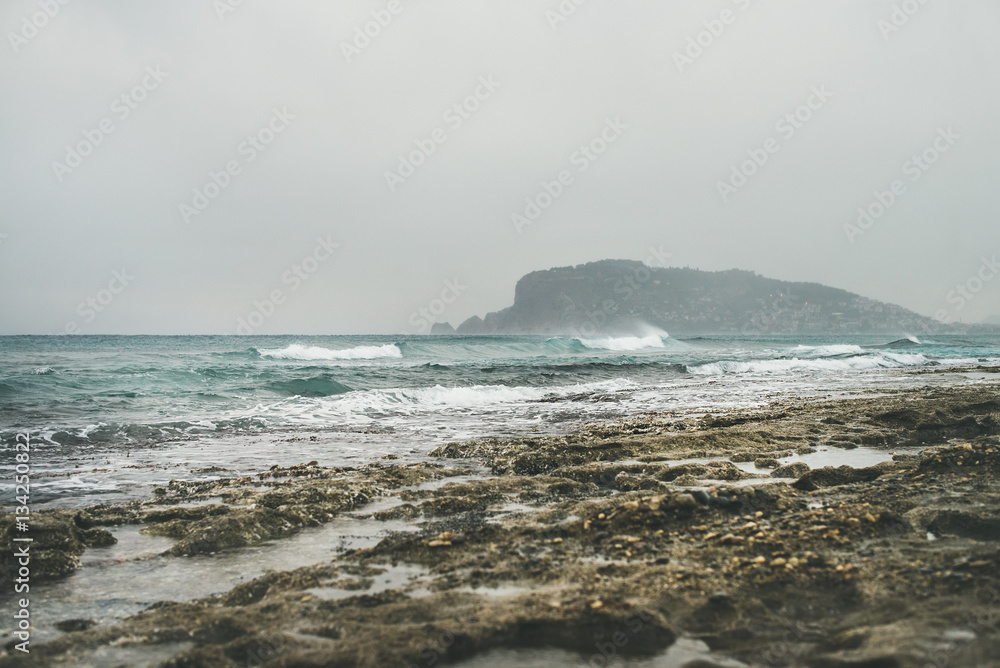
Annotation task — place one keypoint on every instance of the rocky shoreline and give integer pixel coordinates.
(622, 540)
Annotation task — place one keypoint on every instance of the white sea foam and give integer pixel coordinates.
(906, 359)
(318, 353)
(624, 343)
(826, 351)
(90, 429)
(785, 366)
(355, 407)
(475, 396)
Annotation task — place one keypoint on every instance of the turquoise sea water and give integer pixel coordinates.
(111, 416)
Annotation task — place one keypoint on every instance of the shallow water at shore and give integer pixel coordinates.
(105, 590)
(112, 417)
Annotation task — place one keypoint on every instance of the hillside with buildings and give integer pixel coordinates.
(621, 296)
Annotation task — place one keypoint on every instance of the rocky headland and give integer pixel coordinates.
(623, 296)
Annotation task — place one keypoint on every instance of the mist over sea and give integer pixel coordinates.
(111, 417)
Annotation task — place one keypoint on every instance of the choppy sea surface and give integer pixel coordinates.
(112, 416)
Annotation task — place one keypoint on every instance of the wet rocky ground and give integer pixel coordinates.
(629, 540)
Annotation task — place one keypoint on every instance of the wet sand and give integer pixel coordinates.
(722, 541)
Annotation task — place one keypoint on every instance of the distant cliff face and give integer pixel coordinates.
(621, 296)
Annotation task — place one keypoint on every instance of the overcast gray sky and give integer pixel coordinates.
(331, 112)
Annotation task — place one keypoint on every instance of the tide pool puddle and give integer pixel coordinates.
(685, 651)
(147, 656)
(858, 458)
(123, 579)
(402, 577)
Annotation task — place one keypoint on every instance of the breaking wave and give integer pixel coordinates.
(908, 342)
(623, 343)
(368, 404)
(842, 364)
(318, 353)
(830, 351)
